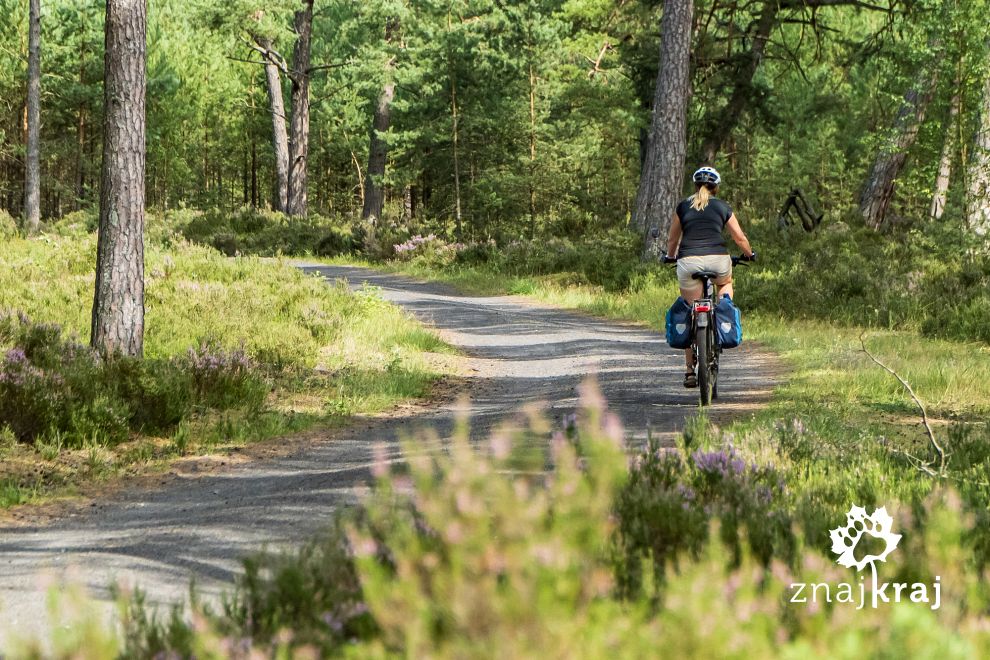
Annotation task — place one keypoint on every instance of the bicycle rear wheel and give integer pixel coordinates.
(716, 353)
(705, 376)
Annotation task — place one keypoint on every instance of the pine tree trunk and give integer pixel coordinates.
(374, 193)
(280, 136)
(978, 198)
(118, 306)
(254, 174)
(299, 125)
(455, 137)
(32, 174)
(455, 134)
(245, 178)
(80, 162)
(661, 182)
(879, 190)
(408, 203)
(948, 150)
(532, 151)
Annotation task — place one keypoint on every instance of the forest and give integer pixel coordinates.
(483, 120)
(247, 247)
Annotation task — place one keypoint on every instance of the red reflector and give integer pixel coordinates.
(702, 308)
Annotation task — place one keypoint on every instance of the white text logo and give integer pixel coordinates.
(874, 531)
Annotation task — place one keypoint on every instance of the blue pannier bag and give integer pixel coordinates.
(728, 323)
(678, 324)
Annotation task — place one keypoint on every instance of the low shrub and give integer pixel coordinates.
(225, 379)
(609, 260)
(935, 278)
(674, 494)
(76, 223)
(250, 231)
(336, 242)
(428, 251)
(53, 387)
(377, 242)
(8, 226)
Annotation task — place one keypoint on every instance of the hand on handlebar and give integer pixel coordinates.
(744, 259)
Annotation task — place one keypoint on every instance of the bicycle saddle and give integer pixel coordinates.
(705, 275)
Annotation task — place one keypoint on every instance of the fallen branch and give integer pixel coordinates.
(915, 462)
(925, 467)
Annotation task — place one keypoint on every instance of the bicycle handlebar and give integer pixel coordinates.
(736, 260)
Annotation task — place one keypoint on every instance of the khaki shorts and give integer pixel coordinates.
(716, 263)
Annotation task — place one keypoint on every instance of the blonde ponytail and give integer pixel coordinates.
(699, 200)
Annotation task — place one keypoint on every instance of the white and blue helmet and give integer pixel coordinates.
(707, 175)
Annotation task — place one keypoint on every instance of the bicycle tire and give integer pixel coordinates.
(716, 356)
(704, 366)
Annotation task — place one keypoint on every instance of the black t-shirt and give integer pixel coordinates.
(702, 230)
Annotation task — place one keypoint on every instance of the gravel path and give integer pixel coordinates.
(199, 525)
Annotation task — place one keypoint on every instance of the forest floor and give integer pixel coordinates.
(200, 522)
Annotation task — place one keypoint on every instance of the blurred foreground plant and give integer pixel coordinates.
(474, 553)
(516, 549)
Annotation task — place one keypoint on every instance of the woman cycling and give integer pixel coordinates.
(696, 240)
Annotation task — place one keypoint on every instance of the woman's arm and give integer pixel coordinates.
(736, 232)
(674, 238)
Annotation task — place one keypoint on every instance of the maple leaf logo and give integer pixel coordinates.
(845, 539)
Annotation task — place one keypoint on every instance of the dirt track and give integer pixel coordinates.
(199, 525)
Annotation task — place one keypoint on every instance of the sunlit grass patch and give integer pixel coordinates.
(317, 353)
(12, 493)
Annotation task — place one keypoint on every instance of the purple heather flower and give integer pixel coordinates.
(723, 462)
(16, 355)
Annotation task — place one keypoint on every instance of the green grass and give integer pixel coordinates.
(325, 352)
(13, 493)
